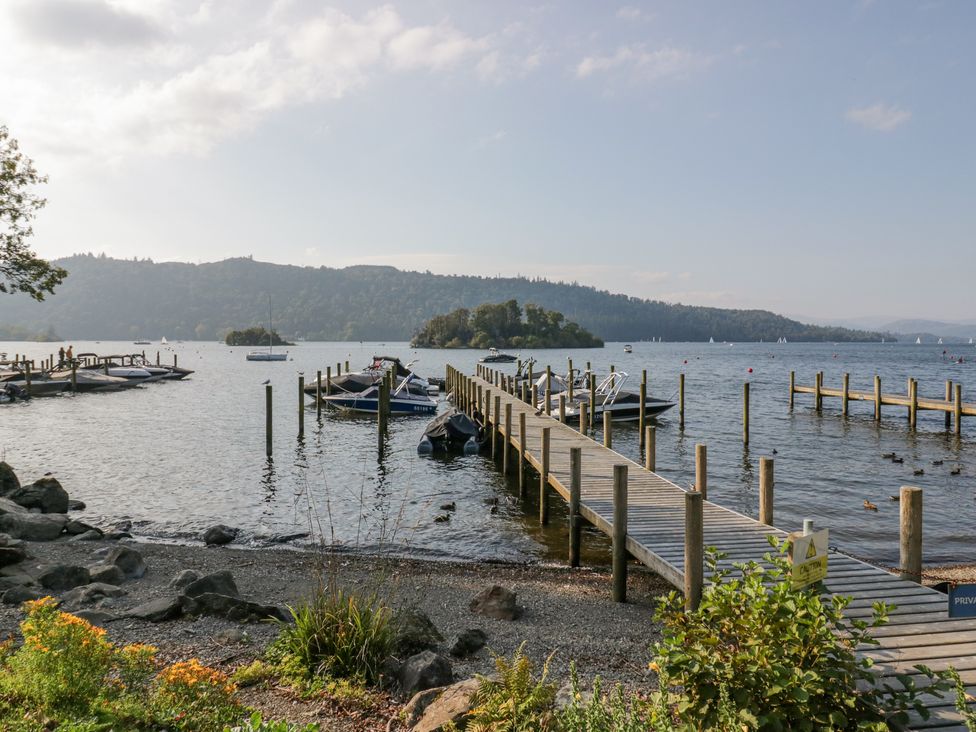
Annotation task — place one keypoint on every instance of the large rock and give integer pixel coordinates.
(107, 573)
(414, 632)
(60, 577)
(219, 534)
(76, 505)
(11, 555)
(95, 617)
(468, 642)
(90, 594)
(45, 494)
(495, 602)
(33, 526)
(8, 479)
(158, 610)
(218, 583)
(184, 579)
(93, 535)
(231, 608)
(8, 506)
(128, 560)
(79, 527)
(21, 594)
(425, 671)
(15, 580)
(448, 709)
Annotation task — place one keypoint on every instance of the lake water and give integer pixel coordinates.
(177, 457)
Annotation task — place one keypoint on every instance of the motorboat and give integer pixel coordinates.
(268, 355)
(359, 381)
(115, 366)
(167, 373)
(41, 383)
(611, 398)
(494, 356)
(628, 348)
(141, 343)
(88, 380)
(452, 431)
(11, 392)
(409, 397)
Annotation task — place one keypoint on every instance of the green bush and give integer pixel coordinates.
(612, 712)
(963, 700)
(758, 654)
(336, 635)
(257, 724)
(516, 701)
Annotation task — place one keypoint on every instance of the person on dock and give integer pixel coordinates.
(61, 356)
(70, 353)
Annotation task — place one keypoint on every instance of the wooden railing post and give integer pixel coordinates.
(694, 549)
(562, 408)
(701, 470)
(650, 449)
(619, 533)
(607, 428)
(911, 534)
(745, 414)
(792, 388)
(575, 520)
(766, 491)
(548, 403)
(544, 479)
(506, 451)
(523, 489)
(846, 390)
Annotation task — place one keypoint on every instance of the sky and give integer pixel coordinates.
(815, 159)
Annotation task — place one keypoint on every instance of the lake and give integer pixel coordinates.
(177, 457)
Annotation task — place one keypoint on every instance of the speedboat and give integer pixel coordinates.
(89, 380)
(359, 381)
(494, 356)
(451, 431)
(409, 397)
(628, 348)
(11, 392)
(266, 356)
(610, 397)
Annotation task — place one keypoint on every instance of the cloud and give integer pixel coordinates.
(630, 13)
(496, 136)
(80, 23)
(879, 117)
(664, 63)
(432, 47)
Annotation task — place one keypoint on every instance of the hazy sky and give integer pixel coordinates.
(811, 158)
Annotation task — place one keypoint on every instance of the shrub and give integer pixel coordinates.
(517, 701)
(336, 635)
(257, 724)
(963, 700)
(256, 672)
(191, 696)
(612, 712)
(758, 654)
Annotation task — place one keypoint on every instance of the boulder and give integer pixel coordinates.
(414, 632)
(425, 670)
(11, 555)
(468, 642)
(495, 602)
(95, 617)
(117, 535)
(93, 535)
(219, 534)
(21, 594)
(231, 636)
(107, 573)
(183, 579)
(8, 479)
(45, 494)
(33, 527)
(8, 506)
(90, 594)
(218, 583)
(8, 540)
(158, 610)
(15, 580)
(415, 708)
(60, 577)
(448, 709)
(76, 505)
(128, 560)
(79, 527)
(231, 608)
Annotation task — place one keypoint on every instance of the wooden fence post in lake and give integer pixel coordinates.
(575, 489)
(328, 383)
(845, 389)
(681, 401)
(948, 414)
(908, 395)
(877, 398)
(817, 386)
(766, 491)
(562, 408)
(301, 406)
(267, 420)
(701, 470)
(569, 384)
(495, 423)
(694, 549)
(507, 449)
(74, 376)
(347, 367)
(792, 388)
(957, 409)
(745, 414)
(548, 402)
(619, 533)
(381, 408)
(544, 479)
(523, 490)
(27, 375)
(318, 393)
(548, 382)
(642, 415)
(913, 404)
(650, 449)
(584, 415)
(911, 534)
(607, 428)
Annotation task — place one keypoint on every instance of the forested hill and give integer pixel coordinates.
(105, 298)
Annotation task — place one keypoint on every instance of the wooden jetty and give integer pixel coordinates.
(665, 528)
(953, 406)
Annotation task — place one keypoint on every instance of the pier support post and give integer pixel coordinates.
(845, 388)
(301, 406)
(745, 414)
(562, 408)
(593, 400)
(328, 385)
(701, 470)
(817, 396)
(74, 376)
(584, 415)
(544, 479)
(908, 394)
(694, 549)
(381, 411)
(507, 444)
(948, 412)
(877, 398)
(607, 429)
(619, 533)
(911, 534)
(548, 402)
(957, 409)
(495, 424)
(267, 420)
(535, 396)
(913, 405)
(792, 388)
(569, 384)
(650, 449)
(642, 415)
(681, 401)
(766, 491)
(548, 381)
(523, 490)
(575, 489)
(525, 392)
(318, 393)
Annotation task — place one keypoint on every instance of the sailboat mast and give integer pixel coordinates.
(270, 328)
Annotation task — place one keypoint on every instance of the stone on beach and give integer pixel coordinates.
(33, 526)
(8, 506)
(93, 535)
(425, 670)
(184, 578)
(128, 560)
(415, 632)
(21, 594)
(11, 555)
(45, 494)
(217, 583)
(495, 602)
(157, 611)
(59, 577)
(79, 527)
(90, 594)
(76, 505)
(8, 479)
(219, 534)
(468, 642)
(448, 707)
(231, 608)
(107, 573)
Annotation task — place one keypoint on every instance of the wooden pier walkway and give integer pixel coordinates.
(919, 630)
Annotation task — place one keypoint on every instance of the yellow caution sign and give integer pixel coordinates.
(808, 556)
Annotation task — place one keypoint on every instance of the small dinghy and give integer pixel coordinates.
(452, 431)
(10, 392)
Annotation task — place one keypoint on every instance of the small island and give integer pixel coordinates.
(256, 336)
(502, 325)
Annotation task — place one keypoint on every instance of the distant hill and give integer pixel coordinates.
(932, 330)
(105, 298)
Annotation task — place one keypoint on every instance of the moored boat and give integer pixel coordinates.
(452, 431)
(495, 356)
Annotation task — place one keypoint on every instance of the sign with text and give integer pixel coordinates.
(962, 601)
(808, 555)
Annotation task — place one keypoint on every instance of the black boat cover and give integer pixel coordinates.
(452, 425)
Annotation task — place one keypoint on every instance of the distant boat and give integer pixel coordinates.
(142, 343)
(711, 340)
(970, 341)
(628, 348)
(940, 341)
(163, 341)
(495, 357)
(268, 355)
(918, 340)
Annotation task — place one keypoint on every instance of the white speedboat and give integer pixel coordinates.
(628, 348)
(410, 397)
(268, 355)
(610, 397)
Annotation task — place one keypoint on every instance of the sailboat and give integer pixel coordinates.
(940, 341)
(163, 341)
(711, 340)
(268, 355)
(918, 340)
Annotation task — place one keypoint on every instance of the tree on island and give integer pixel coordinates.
(20, 269)
(502, 325)
(256, 336)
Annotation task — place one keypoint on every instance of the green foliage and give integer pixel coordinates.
(502, 326)
(335, 635)
(257, 724)
(517, 701)
(612, 712)
(20, 269)
(776, 657)
(963, 700)
(256, 336)
(256, 672)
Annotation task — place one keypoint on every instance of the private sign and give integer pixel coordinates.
(962, 601)
(808, 556)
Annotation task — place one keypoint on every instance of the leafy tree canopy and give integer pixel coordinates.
(20, 269)
(256, 336)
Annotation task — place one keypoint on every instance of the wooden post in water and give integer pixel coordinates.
(650, 449)
(575, 489)
(267, 420)
(766, 491)
(301, 406)
(381, 413)
(681, 401)
(74, 376)
(846, 387)
(479, 399)
(328, 382)
(523, 490)
(338, 369)
(318, 394)
(957, 409)
(570, 384)
(694, 549)
(535, 396)
(792, 388)
(593, 400)
(619, 537)
(27, 375)
(745, 414)
(877, 398)
(495, 424)
(642, 415)
(817, 385)
(347, 367)
(913, 404)
(544, 479)
(548, 381)
(607, 428)
(701, 470)
(911, 534)
(908, 393)
(948, 413)
(584, 415)
(507, 444)
(548, 402)
(562, 408)
(175, 360)
(157, 358)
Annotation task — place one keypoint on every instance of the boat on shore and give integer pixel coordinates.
(495, 356)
